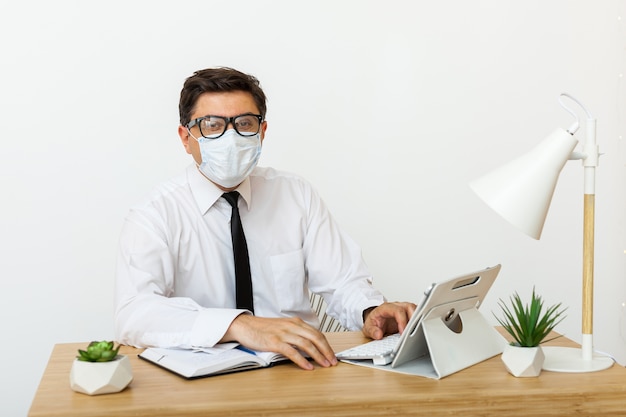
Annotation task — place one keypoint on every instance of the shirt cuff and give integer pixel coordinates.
(211, 325)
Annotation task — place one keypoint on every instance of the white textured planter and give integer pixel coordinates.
(523, 361)
(96, 378)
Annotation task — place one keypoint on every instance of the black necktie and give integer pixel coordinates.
(243, 279)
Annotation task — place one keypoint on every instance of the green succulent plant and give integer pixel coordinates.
(98, 352)
(529, 324)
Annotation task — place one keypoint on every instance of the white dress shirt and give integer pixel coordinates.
(175, 283)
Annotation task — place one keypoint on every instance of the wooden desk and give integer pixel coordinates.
(344, 390)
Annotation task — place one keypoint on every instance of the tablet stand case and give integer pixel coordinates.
(449, 350)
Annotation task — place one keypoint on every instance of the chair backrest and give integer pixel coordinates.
(327, 323)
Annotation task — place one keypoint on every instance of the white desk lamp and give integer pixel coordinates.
(521, 192)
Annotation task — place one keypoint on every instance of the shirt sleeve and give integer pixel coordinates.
(146, 312)
(336, 269)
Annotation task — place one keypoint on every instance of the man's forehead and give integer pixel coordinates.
(227, 104)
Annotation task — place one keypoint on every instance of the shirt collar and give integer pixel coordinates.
(206, 193)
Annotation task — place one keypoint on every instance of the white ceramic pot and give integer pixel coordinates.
(523, 361)
(96, 378)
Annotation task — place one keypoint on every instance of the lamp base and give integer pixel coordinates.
(564, 359)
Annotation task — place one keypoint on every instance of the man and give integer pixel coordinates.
(175, 284)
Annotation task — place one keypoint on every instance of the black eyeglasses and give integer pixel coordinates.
(212, 127)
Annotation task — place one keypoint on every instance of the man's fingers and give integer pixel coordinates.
(388, 318)
(314, 344)
(372, 330)
(403, 315)
(294, 355)
(291, 337)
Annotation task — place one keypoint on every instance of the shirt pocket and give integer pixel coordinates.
(289, 281)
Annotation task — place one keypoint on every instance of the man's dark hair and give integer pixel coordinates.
(218, 80)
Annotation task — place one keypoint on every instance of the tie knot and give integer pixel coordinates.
(231, 197)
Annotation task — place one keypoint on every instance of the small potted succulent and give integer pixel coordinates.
(100, 369)
(529, 325)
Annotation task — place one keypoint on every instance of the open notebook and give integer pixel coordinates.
(447, 316)
(202, 362)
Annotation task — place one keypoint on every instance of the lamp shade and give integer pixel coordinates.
(521, 190)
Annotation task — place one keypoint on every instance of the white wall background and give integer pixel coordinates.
(389, 108)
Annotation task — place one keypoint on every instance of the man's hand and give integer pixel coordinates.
(287, 336)
(386, 319)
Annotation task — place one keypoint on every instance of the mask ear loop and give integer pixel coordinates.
(191, 134)
(197, 164)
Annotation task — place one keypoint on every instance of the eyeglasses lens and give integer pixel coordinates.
(245, 125)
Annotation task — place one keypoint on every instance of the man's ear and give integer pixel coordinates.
(263, 129)
(183, 133)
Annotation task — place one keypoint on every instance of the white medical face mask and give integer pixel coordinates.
(229, 159)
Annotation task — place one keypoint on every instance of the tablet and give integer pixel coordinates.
(443, 300)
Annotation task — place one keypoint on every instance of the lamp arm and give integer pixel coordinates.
(590, 153)
(590, 148)
(590, 162)
(589, 156)
(574, 127)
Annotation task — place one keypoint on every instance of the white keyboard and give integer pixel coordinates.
(380, 351)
